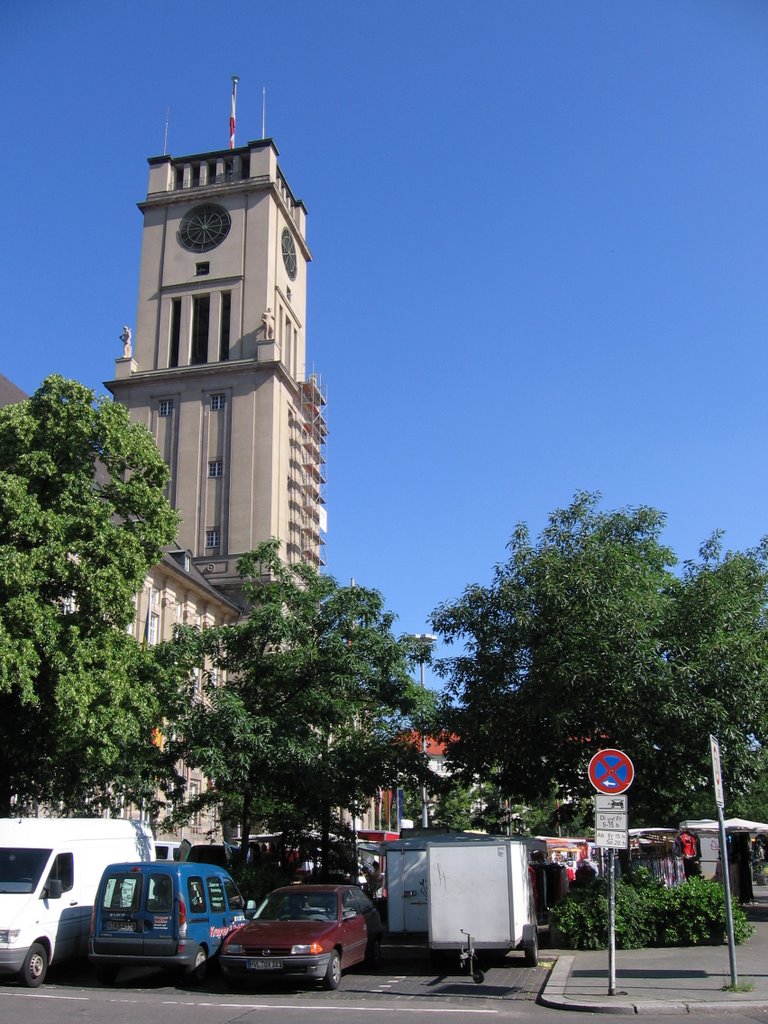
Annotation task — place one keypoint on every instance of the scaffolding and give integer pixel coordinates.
(308, 519)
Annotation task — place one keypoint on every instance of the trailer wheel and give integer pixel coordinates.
(532, 950)
(478, 977)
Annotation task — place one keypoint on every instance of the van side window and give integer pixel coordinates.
(215, 893)
(63, 870)
(122, 892)
(196, 894)
(235, 900)
(160, 894)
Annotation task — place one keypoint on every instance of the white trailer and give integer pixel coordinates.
(480, 897)
(450, 886)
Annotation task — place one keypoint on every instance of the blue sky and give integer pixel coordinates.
(539, 236)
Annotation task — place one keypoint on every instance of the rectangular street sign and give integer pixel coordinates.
(609, 840)
(608, 802)
(717, 771)
(611, 821)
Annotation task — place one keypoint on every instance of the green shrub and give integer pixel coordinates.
(694, 913)
(637, 902)
(647, 914)
(582, 916)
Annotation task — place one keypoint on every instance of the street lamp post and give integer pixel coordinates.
(425, 643)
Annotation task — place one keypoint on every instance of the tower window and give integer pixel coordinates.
(201, 269)
(201, 312)
(165, 407)
(217, 402)
(216, 467)
(213, 538)
(226, 316)
(173, 359)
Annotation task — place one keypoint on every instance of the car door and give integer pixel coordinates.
(70, 920)
(159, 919)
(353, 928)
(235, 904)
(369, 911)
(219, 922)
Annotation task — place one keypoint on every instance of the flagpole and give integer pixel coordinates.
(235, 80)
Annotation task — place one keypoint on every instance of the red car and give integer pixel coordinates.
(307, 931)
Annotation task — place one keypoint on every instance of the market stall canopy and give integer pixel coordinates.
(731, 825)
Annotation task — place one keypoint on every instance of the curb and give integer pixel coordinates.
(553, 995)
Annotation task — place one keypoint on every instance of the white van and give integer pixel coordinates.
(50, 869)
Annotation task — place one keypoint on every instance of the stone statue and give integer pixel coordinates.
(125, 337)
(268, 320)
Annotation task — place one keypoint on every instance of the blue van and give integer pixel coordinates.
(162, 914)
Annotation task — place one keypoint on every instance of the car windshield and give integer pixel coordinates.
(298, 906)
(20, 869)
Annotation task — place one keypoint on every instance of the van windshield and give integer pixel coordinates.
(20, 869)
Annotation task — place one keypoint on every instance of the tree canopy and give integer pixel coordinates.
(82, 518)
(317, 694)
(588, 639)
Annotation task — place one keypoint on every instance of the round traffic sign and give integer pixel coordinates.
(611, 771)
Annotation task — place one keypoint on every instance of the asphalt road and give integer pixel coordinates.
(413, 992)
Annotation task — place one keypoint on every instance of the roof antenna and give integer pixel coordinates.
(264, 112)
(235, 80)
(165, 136)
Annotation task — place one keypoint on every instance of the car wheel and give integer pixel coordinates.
(198, 970)
(333, 971)
(106, 973)
(373, 957)
(35, 966)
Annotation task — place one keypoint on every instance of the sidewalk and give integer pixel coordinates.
(672, 980)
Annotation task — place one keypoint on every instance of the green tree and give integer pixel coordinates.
(587, 639)
(82, 518)
(317, 696)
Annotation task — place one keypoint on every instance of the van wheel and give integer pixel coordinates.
(35, 966)
(197, 972)
(333, 972)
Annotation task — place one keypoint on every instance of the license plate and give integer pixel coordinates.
(121, 926)
(264, 964)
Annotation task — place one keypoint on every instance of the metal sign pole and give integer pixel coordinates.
(717, 775)
(611, 925)
(727, 887)
(611, 773)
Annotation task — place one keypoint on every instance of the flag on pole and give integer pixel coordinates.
(235, 80)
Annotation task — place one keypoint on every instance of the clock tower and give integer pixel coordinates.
(217, 365)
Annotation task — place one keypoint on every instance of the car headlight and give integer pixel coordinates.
(233, 949)
(304, 948)
(8, 936)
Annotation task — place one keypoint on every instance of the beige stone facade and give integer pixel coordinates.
(217, 365)
(174, 592)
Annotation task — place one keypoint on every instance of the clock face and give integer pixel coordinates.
(289, 253)
(203, 228)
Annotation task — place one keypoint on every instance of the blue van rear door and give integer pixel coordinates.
(120, 920)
